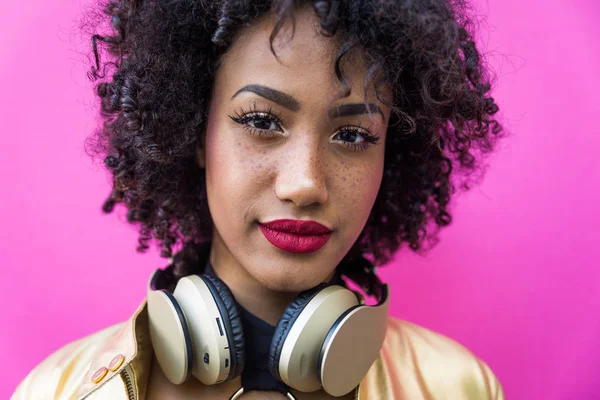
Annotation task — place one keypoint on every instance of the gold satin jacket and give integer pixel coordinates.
(114, 364)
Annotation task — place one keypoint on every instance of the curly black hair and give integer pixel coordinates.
(164, 53)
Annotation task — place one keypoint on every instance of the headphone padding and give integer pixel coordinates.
(233, 326)
(286, 322)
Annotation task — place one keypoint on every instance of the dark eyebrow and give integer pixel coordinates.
(287, 101)
(345, 110)
(284, 100)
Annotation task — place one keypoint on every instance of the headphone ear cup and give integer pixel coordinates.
(295, 351)
(170, 336)
(284, 325)
(231, 322)
(340, 370)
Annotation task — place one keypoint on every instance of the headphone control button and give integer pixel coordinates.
(303, 367)
(206, 358)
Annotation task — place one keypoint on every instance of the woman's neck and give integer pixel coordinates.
(257, 299)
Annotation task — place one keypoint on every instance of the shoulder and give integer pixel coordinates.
(431, 365)
(57, 376)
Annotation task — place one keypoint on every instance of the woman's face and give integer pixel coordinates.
(276, 150)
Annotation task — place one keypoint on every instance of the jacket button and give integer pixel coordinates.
(99, 375)
(116, 362)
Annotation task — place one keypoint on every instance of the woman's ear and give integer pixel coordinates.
(201, 152)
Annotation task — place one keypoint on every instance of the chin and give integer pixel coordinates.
(290, 278)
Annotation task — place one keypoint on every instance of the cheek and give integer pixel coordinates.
(235, 172)
(223, 164)
(357, 187)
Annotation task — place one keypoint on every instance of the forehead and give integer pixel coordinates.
(305, 62)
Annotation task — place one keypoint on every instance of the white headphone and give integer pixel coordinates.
(325, 339)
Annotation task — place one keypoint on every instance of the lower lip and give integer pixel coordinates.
(293, 243)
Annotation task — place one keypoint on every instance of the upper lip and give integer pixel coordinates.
(298, 227)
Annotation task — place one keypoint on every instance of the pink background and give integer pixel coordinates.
(514, 278)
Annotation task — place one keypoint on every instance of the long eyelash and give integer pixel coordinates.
(370, 139)
(243, 116)
(358, 128)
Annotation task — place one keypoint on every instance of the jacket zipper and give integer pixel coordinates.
(126, 376)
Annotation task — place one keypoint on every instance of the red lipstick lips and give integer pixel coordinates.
(295, 236)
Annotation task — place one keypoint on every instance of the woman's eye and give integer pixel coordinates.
(355, 139)
(262, 123)
(350, 136)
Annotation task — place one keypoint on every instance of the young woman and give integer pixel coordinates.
(277, 151)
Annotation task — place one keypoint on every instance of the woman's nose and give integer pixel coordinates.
(301, 176)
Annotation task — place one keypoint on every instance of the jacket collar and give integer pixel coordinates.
(132, 341)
